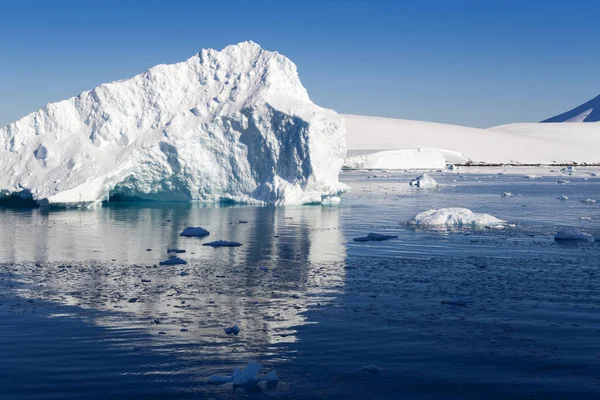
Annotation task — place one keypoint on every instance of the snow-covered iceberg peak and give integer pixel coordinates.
(233, 125)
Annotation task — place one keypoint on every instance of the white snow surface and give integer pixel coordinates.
(455, 216)
(234, 125)
(383, 141)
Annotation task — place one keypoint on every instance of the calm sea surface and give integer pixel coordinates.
(86, 312)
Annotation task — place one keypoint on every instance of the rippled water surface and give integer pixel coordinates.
(86, 312)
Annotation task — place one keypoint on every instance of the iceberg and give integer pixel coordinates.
(234, 125)
(572, 234)
(455, 216)
(424, 181)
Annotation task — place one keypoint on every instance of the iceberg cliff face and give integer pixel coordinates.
(234, 125)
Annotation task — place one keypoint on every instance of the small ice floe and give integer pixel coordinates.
(374, 237)
(533, 176)
(234, 330)
(568, 170)
(194, 231)
(457, 301)
(562, 197)
(175, 250)
(507, 194)
(372, 369)
(331, 200)
(563, 182)
(572, 234)
(588, 201)
(455, 216)
(424, 182)
(245, 377)
(585, 218)
(222, 243)
(173, 261)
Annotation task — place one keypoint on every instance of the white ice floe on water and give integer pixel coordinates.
(507, 194)
(245, 376)
(424, 182)
(455, 216)
(331, 200)
(233, 125)
(588, 201)
(562, 197)
(572, 234)
(533, 176)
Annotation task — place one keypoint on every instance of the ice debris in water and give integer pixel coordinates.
(173, 261)
(375, 237)
(222, 243)
(245, 377)
(572, 234)
(424, 181)
(194, 231)
(562, 197)
(507, 194)
(234, 330)
(372, 369)
(331, 200)
(455, 216)
(568, 170)
(533, 176)
(589, 201)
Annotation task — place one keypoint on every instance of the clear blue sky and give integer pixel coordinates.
(469, 62)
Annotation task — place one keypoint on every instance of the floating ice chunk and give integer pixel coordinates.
(173, 261)
(222, 243)
(533, 176)
(455, 216)
(507, 194)
(372, 369)
(562, 197)
(375, 237)
(272, 377)
(457, 301)
(247, 376)
(572, 234)
(568, 170)
(331, 200)
(424, 181)
(589, 201)
(380, 237)
(234, 330)
(192, 231)
(563, 182)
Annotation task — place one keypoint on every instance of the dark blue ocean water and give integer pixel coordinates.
(311, 303)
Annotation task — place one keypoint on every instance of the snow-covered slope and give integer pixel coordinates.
(235, 124)
(587, 112)
(427, 142)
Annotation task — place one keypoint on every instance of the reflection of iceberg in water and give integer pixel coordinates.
(292, 257)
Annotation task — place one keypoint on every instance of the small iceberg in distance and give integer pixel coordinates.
(222, 243)
(455, 216)
(374, 237)
(572, 234)
(424, 182)
(194, 231)
(173, 261)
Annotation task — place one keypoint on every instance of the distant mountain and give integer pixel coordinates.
(587, 112)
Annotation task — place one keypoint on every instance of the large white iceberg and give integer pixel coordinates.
(234, 125)
(455, 216)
